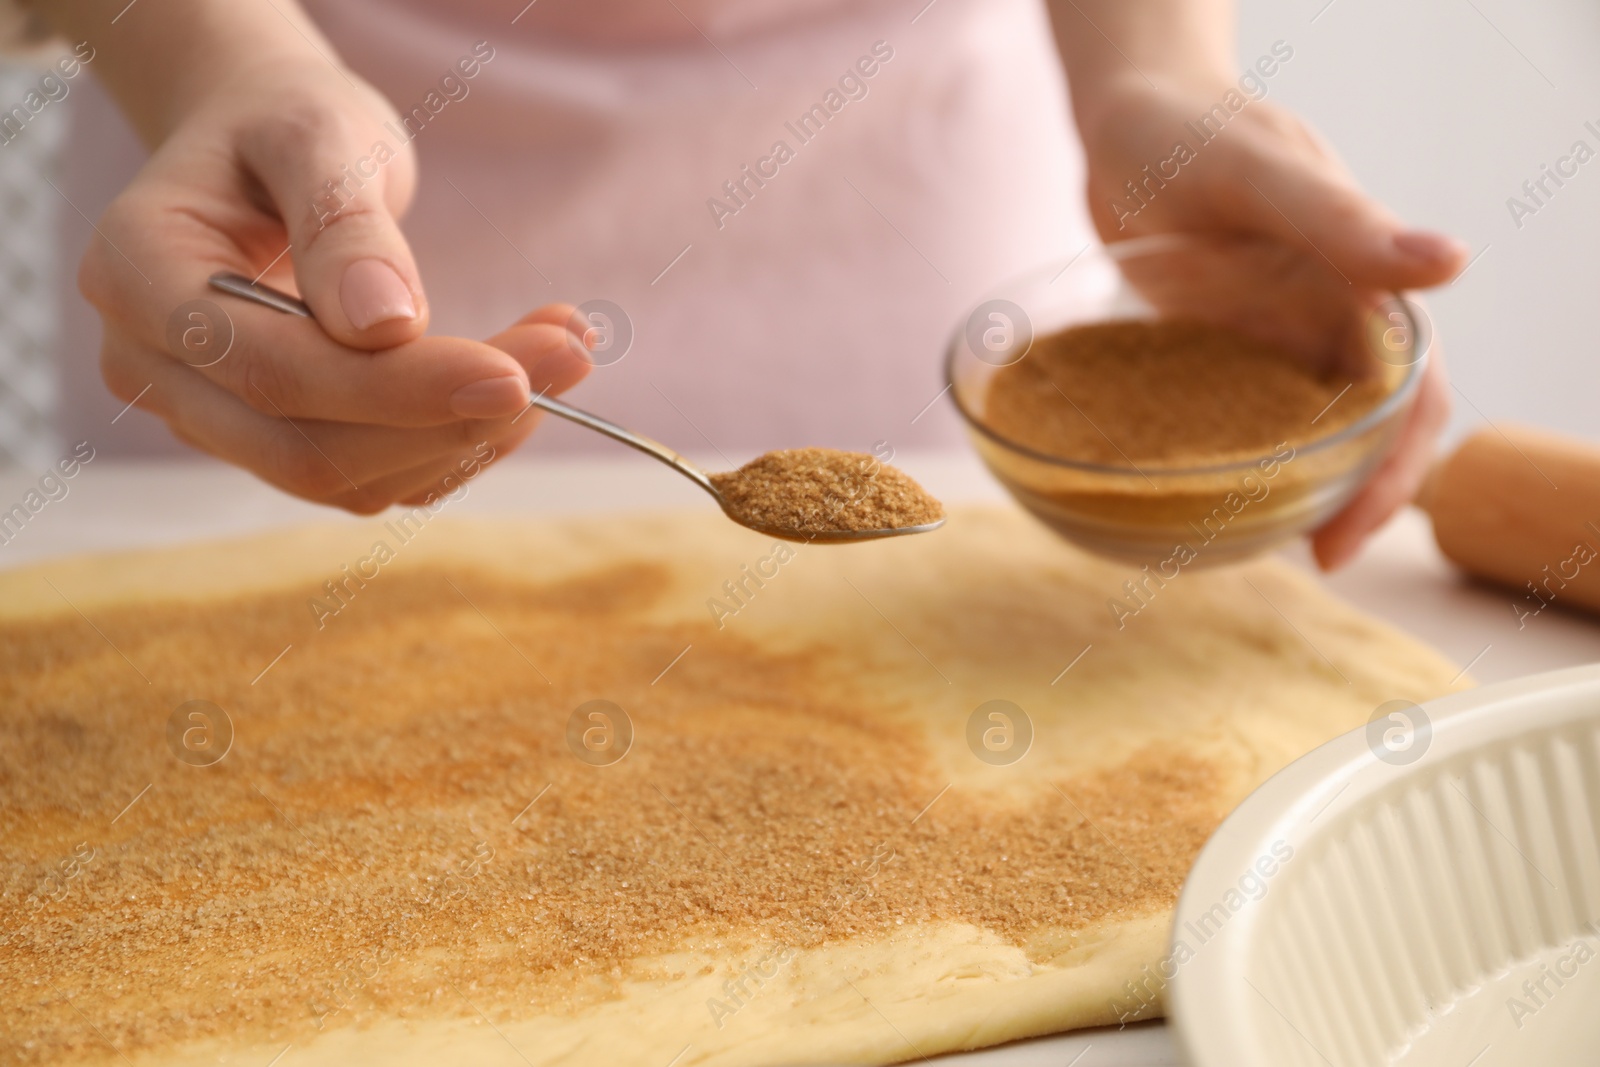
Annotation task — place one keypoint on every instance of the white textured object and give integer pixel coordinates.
(1440, 904)
(29, 382)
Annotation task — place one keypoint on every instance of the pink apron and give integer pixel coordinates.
(792, 202)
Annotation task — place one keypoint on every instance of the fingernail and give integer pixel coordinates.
(371, 292)
(490, 398)
(1428, 247)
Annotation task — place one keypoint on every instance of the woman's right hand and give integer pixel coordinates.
(357, 409)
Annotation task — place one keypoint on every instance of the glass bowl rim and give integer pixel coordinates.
(1117, 250)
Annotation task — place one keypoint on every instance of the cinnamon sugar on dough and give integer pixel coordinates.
(401, 860)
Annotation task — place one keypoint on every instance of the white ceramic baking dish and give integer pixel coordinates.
(1424, 891)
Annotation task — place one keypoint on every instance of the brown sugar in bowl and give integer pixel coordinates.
(1180, 439)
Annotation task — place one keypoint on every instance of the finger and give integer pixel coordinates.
(549, 354)
(277, 364)
(563, 315)
(285, 366)
(554, 371)
(446, 478)
(1326, 214)
(1397, 479)
(323, 461)
(426, 484)
(553, 368)
(339, 195)
(358, 467)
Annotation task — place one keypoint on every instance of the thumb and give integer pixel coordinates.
(1335, 221)
(338, 188)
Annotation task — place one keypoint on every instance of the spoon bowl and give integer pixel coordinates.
(695, 474)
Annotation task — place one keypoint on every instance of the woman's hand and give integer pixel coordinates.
(1261, 173)
(1267, 174)
(275, 162)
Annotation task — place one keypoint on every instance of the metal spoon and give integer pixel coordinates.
(240, 286)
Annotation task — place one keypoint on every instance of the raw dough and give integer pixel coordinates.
(401, 859)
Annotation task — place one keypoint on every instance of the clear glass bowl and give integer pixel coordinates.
(1180, 516)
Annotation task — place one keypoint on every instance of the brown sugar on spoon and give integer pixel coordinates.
(822, 490)
(1171, 392)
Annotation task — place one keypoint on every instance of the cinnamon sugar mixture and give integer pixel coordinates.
(1170, 391)
(821, 490)
(400, 825)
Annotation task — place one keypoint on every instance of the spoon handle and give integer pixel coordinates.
(261, 293)
(633, 440)
(239, 285)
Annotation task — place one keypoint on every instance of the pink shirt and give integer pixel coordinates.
(926, 154)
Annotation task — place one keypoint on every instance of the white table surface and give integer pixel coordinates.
(1401, 577)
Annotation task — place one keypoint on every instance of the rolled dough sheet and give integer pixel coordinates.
(418, 845)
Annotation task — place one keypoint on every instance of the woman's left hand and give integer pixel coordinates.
(1267, 174)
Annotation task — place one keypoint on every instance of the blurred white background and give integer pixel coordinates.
(1442, 108)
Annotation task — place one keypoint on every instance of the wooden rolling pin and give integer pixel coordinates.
(1521, 507)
